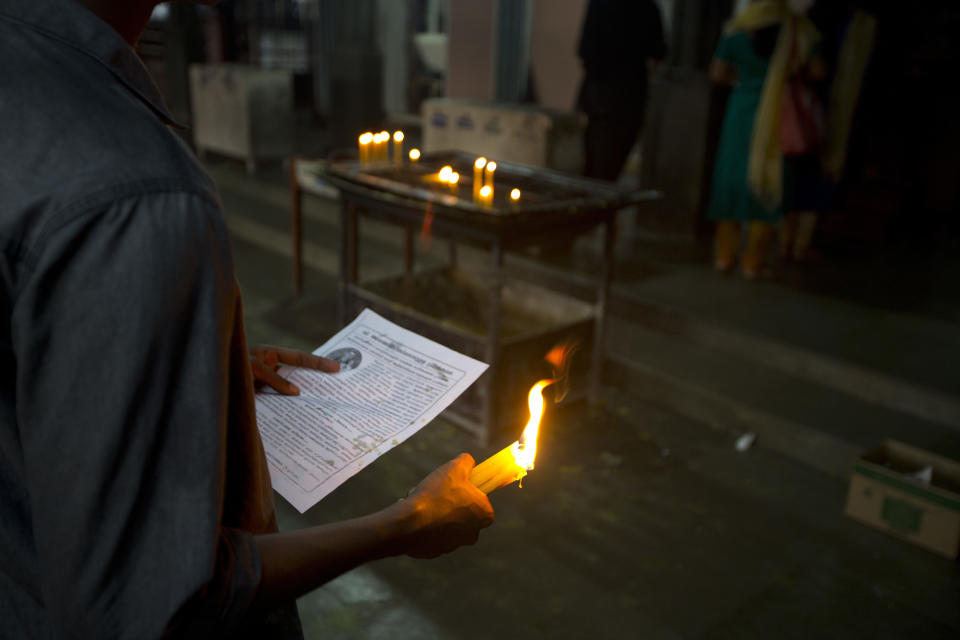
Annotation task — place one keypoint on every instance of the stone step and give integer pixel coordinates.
(815, 424)
(901, 362)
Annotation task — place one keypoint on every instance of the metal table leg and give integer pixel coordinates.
(600, 312)
(493, 342)
(407, 252)
(348, 253)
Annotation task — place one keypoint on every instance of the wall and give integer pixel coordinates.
(470, 51)
(554, 36)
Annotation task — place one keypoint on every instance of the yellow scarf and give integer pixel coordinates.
(845, 91)
(765, 166)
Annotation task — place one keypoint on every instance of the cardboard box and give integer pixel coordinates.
(886, 493)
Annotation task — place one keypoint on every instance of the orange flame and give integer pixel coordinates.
(525, 450)
(559, 358)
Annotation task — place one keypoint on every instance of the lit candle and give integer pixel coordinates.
(512, 463)
(364, 142)
(488, 178)
(398, 147)
(384, 146)
(514, 196)
(453, 181)
(486, 195)
(478, 177)
(445, 173)
(414, 155)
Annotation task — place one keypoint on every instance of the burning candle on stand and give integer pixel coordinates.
(454, 181)
(488, 174)
(513, 462)
(363, 144)
(414, 155)
(514, 196)
(478, 177)
(486, 195)
(398, 147)
(384, 145)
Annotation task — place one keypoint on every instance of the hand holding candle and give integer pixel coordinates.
(443, 512)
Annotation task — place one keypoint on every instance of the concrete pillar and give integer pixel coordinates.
(679, 142)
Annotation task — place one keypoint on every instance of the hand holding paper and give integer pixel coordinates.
(391, 383)
(266, 359)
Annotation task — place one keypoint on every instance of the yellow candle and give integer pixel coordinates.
(488, 173)
(512, 463)
(478, 177)
(497, 471)
(486, 195)
(398, 147)
(364, 142)
(414, 155)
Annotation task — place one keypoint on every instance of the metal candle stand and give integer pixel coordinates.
(554, 205)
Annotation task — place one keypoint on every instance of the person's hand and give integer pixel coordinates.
(265, 360)
(445, 511)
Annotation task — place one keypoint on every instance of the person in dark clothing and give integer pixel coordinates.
(135, 500)
(620, 45)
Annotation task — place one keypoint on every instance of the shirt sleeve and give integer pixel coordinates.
(122, 328)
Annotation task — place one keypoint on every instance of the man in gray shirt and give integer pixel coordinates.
(134, 495)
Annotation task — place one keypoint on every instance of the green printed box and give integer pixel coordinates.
(909, 493)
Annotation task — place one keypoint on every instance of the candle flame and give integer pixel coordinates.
(525, 449)
(398, 136)
(366, 138)
(445, 173)
(491, 166)
(515, 194)
(480, 163)
(454, 178)
(486, 190)
(414, 154)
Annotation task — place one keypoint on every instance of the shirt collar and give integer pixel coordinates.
(74, 25)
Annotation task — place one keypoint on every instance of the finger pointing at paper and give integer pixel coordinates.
(266, 359)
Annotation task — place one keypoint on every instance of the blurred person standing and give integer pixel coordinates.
(621, 44)
(135, 498)
(762, 47)
(811, 180)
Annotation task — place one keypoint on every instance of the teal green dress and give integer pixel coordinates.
(731, 198)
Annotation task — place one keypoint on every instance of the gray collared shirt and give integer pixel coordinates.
(132, 477)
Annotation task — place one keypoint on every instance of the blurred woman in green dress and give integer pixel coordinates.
(761, 49)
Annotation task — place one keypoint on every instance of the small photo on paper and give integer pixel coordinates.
(348, 357)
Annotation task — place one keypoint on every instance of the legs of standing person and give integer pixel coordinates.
(806, 223)
(727, 245)
(796, 234)
(758, 242)
(614, 120)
